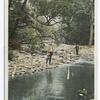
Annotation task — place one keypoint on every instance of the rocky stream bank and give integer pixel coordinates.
(25, 63)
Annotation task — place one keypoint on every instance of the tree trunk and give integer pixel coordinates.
(12, 36)
(10, 2)
(92, 24)
(91, 35)
(13, 31)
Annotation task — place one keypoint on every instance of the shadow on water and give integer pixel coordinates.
(60, 83)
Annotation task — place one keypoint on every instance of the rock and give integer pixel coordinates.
(42, 56)
(60, 60)
(10, 68)
(33, 66)
(18, 74)
(23, 52)
(61, 56)
(34, 54)
(68, 61)
(59, 52)
(62, 50)
(37, 52)
(44, 51)
(28, 67)
(32, 69)
(20, 68)
(23, 70)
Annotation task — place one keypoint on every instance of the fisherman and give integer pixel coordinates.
(49, 54)
(77, 49)
(82, 94)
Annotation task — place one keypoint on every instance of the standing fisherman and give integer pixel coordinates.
(77, 49)
(49, 54)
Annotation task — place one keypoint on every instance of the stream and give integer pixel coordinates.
(60, 83)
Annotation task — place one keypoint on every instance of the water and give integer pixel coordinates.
(61, 83)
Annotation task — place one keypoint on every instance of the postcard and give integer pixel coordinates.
(50, 49)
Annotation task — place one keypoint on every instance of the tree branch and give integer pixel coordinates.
(47, 23)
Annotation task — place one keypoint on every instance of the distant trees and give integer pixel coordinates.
(78, 21)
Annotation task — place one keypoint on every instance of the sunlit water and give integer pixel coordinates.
(60, 83)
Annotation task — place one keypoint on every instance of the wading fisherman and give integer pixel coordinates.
(82, 94)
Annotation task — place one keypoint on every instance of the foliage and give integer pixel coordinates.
(31, 37)
(32, 20)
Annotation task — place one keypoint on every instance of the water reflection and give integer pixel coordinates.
(54, 84)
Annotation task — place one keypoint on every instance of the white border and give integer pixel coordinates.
(6, 49)
(98, 48)
(95, 54)
(1, 49)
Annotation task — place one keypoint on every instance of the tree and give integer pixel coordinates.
(17, 16)
(91, 22)
(73, 18)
